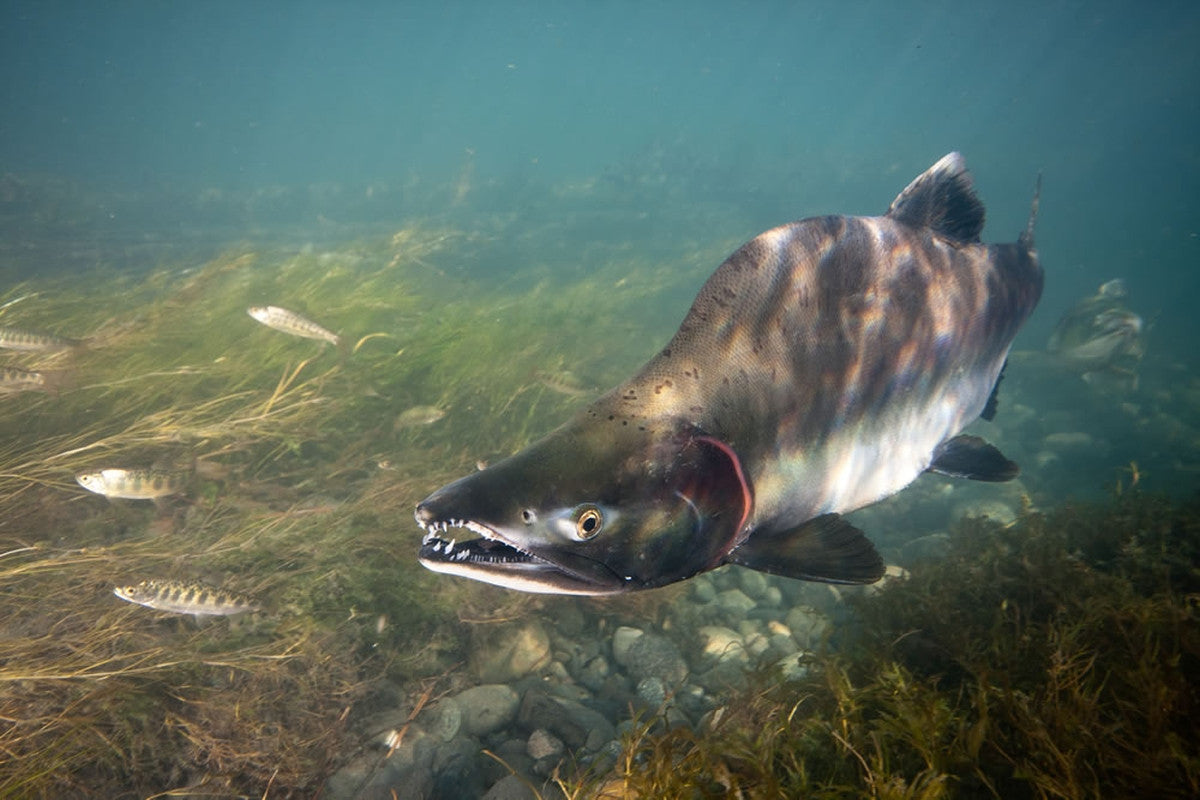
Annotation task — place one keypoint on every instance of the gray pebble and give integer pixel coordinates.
(542, 744)
(652, 692)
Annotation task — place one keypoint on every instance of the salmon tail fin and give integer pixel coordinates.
(1026, 238)
(943, 199)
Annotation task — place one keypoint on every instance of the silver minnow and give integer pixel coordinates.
(134, 484)
(824, 365)
(290, 322)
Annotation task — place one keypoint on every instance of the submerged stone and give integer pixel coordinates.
(720, 644)
(544, 744)
(570, 721)
(734, 603)
(652, 655)
(807, 626)
(652, 692)
(487, 708)
(510, 787)
(622, 639)
(446, 720)
(508, 652)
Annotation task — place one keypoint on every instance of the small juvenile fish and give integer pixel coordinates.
(16, 339)
(185, 598)
(290, 322)
(15, 379)
(134, 484)
(563, 382)
(418, 415)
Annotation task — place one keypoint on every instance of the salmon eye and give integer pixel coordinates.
(588, 521)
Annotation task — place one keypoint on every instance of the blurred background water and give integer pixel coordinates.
(182, 116)
(513, 204)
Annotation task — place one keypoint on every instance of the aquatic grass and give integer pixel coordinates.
(137, 702)
(302, 498)
(966, 679)
(1036, 661)
(116, 677)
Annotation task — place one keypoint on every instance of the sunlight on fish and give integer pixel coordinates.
(290, 322)
(134, 484)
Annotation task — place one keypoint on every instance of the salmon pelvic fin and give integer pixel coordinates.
(942, 199)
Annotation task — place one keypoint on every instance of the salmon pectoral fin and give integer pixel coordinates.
(971, 457)
(826, 548)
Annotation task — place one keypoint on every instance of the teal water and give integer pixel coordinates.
(522, 199)
(780, 109)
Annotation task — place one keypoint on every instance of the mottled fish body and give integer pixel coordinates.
(824, 365)
(134, 484)
(185, 598)
(290, 322)
(15, 379)
(31, 341)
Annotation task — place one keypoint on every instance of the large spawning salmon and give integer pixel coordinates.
(824, 365)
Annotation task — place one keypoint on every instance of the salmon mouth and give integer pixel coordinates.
(487, 550)
(490, 558)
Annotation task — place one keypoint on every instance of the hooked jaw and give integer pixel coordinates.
(493, 559)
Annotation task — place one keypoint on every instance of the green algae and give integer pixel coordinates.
(1054, 658)
(301, 498)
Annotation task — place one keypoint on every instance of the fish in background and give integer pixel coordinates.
(14, 380)
(1101, 339)
(416, 417)
(825, 365)
(290, 322)
(32, 341)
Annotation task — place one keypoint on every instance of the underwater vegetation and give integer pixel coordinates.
(1045, 659)
(293, 470)
(1053, 658)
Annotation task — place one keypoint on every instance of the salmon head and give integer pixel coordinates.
(591, 509)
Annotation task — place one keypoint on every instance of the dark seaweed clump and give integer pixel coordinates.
(1054, 658)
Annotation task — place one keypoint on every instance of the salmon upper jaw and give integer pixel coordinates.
(490, 548)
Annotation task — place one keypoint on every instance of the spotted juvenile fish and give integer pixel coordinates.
(15, 379)
(30, 341)
(134, 484)
(185, 598)
(825, 365)
(290, 322)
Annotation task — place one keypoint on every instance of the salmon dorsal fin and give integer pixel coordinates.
(942, 198)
